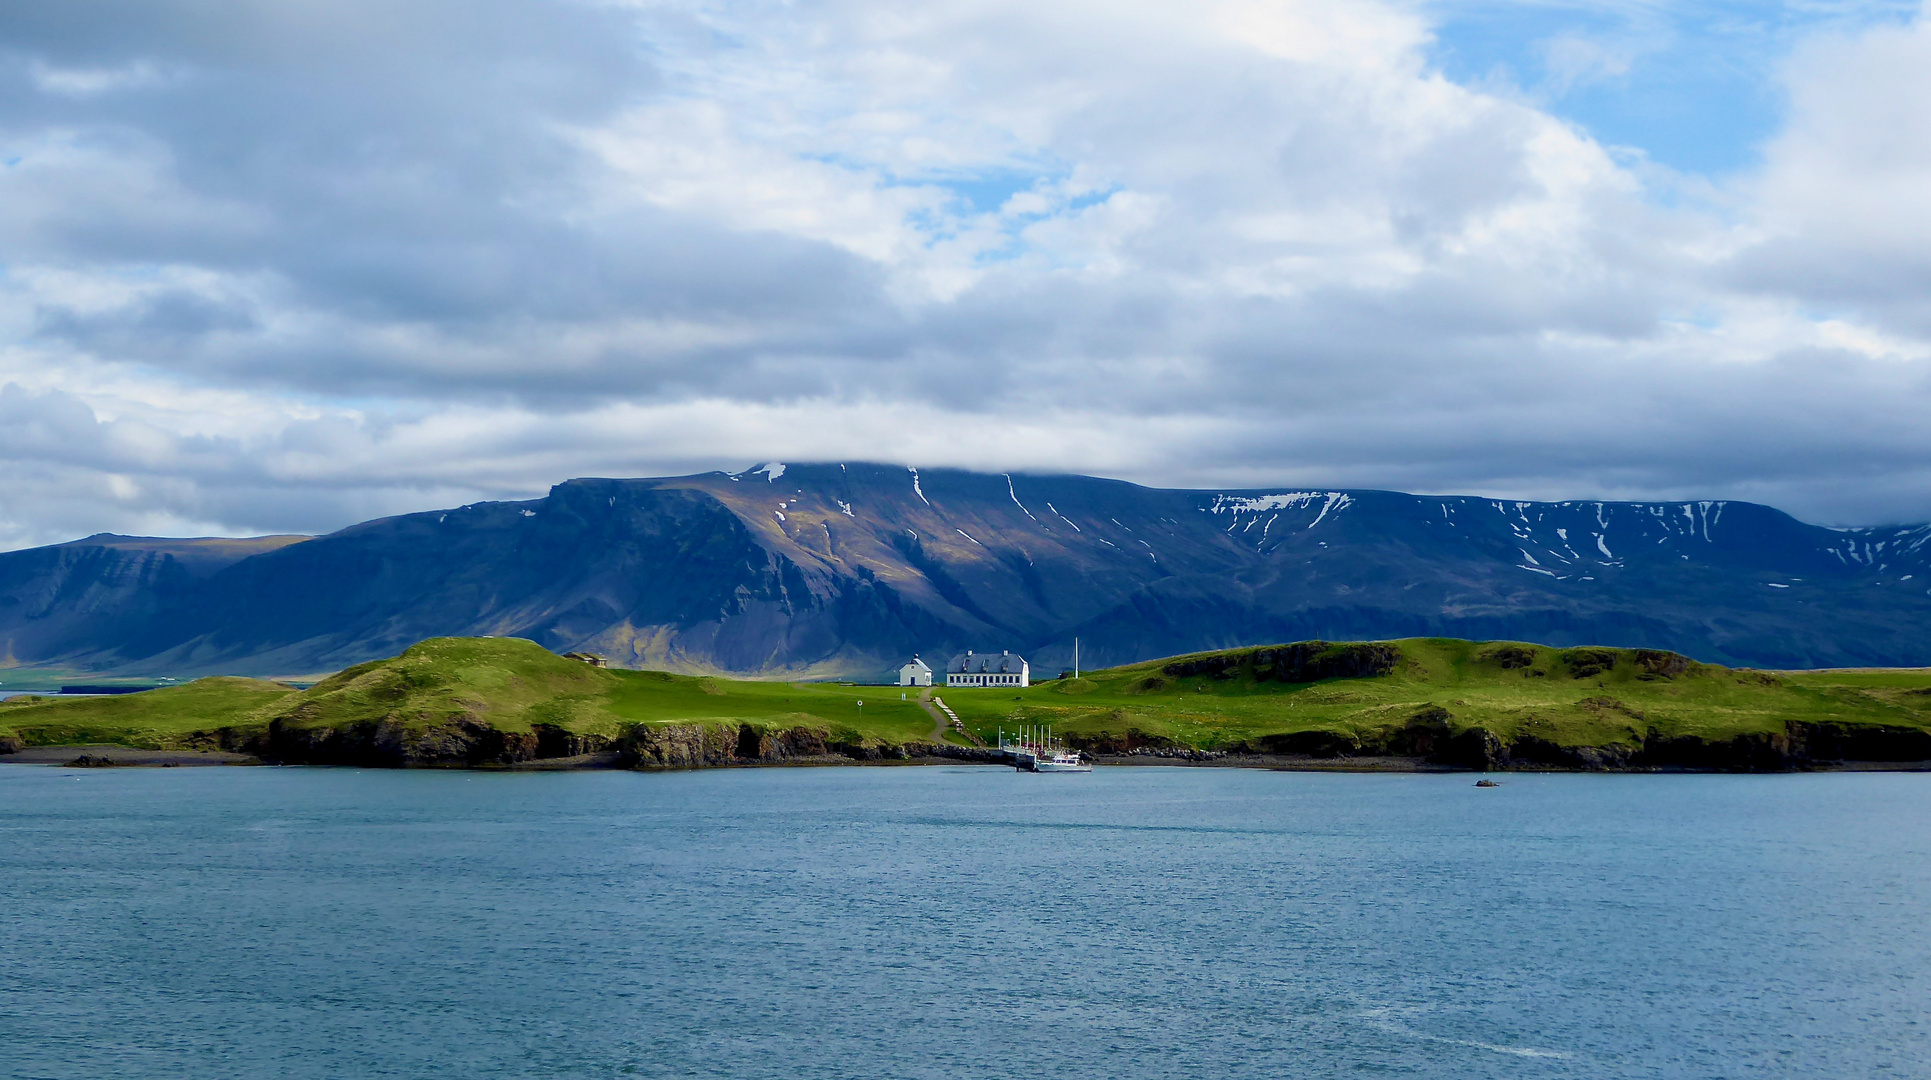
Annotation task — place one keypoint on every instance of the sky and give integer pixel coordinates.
(282, 266)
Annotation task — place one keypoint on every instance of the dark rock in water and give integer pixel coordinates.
(1486, 783)
(92, 761)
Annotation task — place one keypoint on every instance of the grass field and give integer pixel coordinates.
(508, 683)
(153, 719)
(1594, 697)
(1570, 697)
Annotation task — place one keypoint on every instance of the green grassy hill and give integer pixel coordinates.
(1487, 704)
(465, 701)
(153, 719)
(1386, 697)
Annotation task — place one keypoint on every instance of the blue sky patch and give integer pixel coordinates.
(1694, 86)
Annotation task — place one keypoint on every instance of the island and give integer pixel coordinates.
(1422, 703)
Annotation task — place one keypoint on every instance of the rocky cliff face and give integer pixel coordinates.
(699, 746)
(460, 743)
(1799, 746)
(465, 743)
(827, 570)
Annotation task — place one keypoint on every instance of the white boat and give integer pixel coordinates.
(1060, 761)
(1034, 751)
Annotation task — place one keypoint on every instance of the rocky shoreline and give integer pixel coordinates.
(1425, 744)
(1428, 739)
(95, 755)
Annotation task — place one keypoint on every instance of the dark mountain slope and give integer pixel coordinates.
(75, 598)
(844, 569)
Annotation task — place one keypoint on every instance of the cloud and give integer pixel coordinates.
(289, 264)
(1842, 210)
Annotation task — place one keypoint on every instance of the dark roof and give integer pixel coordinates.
(972, 663)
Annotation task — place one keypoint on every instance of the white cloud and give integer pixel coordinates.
(1842, 210)
(451, 252)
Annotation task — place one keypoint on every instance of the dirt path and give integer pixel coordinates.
(939, 722)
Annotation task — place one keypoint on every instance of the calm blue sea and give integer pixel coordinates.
(960, 922)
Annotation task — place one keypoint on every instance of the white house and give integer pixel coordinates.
(915, 674)
(984, 669)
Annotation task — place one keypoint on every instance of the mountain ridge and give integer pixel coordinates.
(823, 570)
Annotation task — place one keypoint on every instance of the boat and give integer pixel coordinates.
(1034, 750)
(1060, 761)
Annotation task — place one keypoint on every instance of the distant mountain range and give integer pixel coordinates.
(845, 570)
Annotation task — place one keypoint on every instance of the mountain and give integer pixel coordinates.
(844, 570)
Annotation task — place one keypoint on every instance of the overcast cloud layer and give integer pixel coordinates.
(284, 265)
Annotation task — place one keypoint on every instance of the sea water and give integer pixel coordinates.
(961, 922)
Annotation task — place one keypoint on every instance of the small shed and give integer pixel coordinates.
(915, 674)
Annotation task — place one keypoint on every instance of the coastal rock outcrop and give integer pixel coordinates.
(1797, 747)
(1861, 742)
(460, 743)
(714, 745)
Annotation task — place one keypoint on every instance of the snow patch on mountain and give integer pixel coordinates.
(1236, 505)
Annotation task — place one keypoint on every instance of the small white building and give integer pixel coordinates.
(984, 669)
(915, 674)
